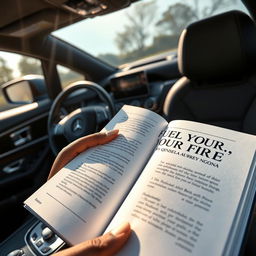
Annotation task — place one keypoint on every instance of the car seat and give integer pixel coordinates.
(217, 57)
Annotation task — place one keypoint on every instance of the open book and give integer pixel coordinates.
(186, 188)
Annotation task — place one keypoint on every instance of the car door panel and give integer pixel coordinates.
(25, 160)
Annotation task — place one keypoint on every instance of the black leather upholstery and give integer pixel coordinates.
(218, 48)
(217, 57)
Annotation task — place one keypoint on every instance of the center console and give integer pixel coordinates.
(32, 239)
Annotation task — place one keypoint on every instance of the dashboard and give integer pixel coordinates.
(144, 86)
(139, 88)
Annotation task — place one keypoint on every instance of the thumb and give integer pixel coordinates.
(106, 245)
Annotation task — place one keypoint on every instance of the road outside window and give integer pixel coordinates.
(68, 76)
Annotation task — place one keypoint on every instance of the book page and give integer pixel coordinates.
(186, 198)
(79, 201)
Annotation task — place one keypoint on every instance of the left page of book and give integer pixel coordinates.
(80, 200)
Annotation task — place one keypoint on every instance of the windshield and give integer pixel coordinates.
(144, 29)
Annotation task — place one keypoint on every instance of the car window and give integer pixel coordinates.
(13, 66)
(68, 76)
(146, 28)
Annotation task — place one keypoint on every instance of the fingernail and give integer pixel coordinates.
(124, 228)
(113, 132)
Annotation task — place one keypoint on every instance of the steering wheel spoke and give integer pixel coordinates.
(58, 129)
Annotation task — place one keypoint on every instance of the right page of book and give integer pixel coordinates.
(188, 195)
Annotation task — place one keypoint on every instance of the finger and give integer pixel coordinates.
(78, 146)
(106, 245)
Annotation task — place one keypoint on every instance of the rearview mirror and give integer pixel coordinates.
(90, 8)
(26, 89)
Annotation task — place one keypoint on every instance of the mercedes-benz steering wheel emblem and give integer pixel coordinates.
(77, 125)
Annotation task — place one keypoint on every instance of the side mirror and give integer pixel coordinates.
(27, 89)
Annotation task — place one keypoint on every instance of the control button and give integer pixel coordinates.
(47, 234)
(16, 253)
(45, 249)
(39, 243)
(101, 116)
(34, 236)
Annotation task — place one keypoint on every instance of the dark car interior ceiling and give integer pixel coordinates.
(27, 18)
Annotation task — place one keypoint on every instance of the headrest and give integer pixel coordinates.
(218, 48)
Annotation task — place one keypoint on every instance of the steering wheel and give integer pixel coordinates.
(80, 122)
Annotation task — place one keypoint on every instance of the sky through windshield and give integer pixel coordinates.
(115, 37)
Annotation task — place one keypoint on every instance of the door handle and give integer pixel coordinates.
(14, 166)
(21, 136)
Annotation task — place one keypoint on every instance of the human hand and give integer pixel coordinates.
(78, 146)
(106, 245)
